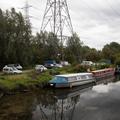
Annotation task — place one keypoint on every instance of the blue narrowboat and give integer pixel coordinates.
(71, 80)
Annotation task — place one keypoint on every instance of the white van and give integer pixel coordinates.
(40, 68)
(11, 70)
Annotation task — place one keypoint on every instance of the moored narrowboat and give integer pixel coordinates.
(103, 73)
(71, 80)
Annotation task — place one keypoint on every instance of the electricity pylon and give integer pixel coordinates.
(26, 10)
(57, 19)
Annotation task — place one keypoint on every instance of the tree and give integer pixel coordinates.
(52, 46)
(73, 49)
(45, 46)
(15, 35)
(110, 50)
(117, 59)
(93, 55)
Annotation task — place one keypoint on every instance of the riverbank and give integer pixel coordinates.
(30, 79)
(22, 82)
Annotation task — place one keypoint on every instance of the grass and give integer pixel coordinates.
(25, 79)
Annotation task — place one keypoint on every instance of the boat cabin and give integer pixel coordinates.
(70, 80)
(103, 72)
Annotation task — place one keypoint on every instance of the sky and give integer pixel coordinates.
(97, 22)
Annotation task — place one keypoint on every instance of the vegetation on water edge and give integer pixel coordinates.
(24, 80)
(32, 78)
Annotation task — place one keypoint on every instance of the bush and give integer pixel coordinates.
(78, 68)
(102, 66)
(54, 72)
(117, 61)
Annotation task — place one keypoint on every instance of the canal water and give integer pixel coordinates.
(99, 102)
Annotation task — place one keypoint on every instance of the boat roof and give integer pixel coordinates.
(73, 75)
(101, 70)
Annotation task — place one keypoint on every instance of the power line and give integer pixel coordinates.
(95, 11)
(36, 18)
(26, 9)
(114, 10)
(35, 8)
(36, 2)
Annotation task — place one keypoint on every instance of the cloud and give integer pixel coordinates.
(96, 21)
(8, 4)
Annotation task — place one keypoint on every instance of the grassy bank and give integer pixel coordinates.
(30, 78)
(24, 80)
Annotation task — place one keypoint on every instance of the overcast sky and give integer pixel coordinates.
(97, 22)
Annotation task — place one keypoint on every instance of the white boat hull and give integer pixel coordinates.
(72, 84)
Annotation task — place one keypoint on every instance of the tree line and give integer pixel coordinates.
(18, 45)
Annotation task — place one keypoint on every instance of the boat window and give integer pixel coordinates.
(78, 77)
(83, 77)
(72, 78)
(89, 76)
(60, 79)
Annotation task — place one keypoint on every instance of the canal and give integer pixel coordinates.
(99, 102)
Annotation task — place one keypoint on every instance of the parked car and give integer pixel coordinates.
(40, 68)
(64, 63)
(18, 66)
(50, 63)
(58, 66)
(88, 63)
(11, 70)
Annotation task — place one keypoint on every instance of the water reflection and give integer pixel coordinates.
(58, 104)
(117, 78)
(79, 103)
(16, 107)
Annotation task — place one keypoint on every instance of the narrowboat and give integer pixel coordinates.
(71, 80)
(103, 73)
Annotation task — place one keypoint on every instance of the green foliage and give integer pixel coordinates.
(15, 34)
(80, 68)
(54, 72)
(72, 69)
(45, 46)
(93, 55)
(117, 59)
(110, 51)
(73, 49)
(102, 66)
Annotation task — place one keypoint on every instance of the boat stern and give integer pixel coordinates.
(59, 82)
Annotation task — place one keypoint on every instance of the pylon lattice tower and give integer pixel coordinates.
(26, 10)
(57, 19)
